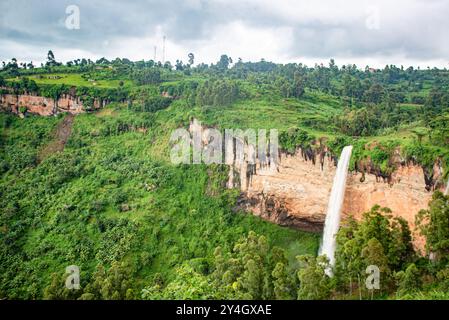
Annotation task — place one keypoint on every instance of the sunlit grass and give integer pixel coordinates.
(75, 79)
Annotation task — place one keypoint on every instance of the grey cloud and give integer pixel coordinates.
(418, 35)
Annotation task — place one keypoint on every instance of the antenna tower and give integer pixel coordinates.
(163, 50)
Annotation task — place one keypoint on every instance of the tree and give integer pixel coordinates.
(12, 67)
(315, 284)
(57, 289)
(50, 56)
(113, 284)
(433, 224)
(147, 76)
(378, 239)
(51, 61)
(247, 271)
(252, 280)
(179, 65)
(373, 255)
(102, 61)
(439, 132)
(333, 67)
(283, 284)
(348, 263)
(420, 134)
(224, 62)
(375, 93)
(409, 280)
(187, 285)
(217, 93)
(285, 87)
(401, 250)
(443, 279)
(352, 87)
(167, 65)
(153, 104)
(298, 85)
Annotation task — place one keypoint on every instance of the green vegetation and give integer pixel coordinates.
(75, 79)
(108, 198)
(140, 227)
(385, 242)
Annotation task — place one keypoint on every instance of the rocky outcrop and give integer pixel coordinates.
(432, 176)
(42, 105)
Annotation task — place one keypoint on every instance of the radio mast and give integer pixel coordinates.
(163, 50)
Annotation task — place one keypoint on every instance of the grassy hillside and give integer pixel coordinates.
(75, 79)
(113, 196)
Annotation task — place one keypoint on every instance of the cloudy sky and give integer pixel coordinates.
(375, 33)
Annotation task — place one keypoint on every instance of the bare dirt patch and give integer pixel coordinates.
(61, 136)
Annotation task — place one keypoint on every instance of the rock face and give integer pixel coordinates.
(294, 195)
(405, 196)
(43, 106)
(297, 193)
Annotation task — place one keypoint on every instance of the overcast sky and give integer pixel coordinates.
(374, 33)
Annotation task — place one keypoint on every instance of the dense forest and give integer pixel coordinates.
(140, 227)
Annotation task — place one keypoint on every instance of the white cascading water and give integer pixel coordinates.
(446, 192)
(334, 206)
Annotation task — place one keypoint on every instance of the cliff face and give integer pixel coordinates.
(406, 195)
(297, 193)
(43, 106)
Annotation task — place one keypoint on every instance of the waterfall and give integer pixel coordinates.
(446, 192)
(334, 206)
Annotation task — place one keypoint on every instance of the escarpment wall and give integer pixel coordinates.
(296, 192)
(44, 106)
(406, 195)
